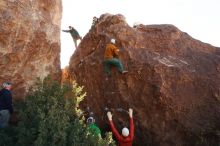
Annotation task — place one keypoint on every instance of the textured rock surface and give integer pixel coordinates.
(29, 41)
(66, 79)
(173, 82)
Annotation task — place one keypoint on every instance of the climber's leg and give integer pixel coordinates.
(117, 63)
(4, 118)
(75, 42)
(107, 67)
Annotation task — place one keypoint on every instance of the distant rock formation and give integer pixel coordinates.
(173, 82)
(29, 42)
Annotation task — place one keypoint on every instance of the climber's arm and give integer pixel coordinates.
(116, 51)
(114, 130)
(66, 30)
(131, 124)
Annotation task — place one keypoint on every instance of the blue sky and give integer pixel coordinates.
(199, 18)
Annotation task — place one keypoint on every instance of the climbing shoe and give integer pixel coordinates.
(124, 71)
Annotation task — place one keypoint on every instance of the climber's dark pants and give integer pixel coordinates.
(115, 62)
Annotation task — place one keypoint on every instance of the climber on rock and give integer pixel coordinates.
(127, 137)
(75, 35)
(111, 58)
(93, 129)
(94, 21)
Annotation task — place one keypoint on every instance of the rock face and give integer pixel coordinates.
(173, 83)
(65, 78)
(29, 41)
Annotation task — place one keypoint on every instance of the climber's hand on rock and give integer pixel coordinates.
(109, 114)
(130, 112)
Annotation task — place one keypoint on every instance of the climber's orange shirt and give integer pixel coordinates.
(111, 51)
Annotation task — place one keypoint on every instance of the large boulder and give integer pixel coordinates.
(173, 83)
(29, 42)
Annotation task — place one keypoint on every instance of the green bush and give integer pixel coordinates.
(50, 116)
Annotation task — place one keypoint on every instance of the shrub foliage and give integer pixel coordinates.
(50, 116)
